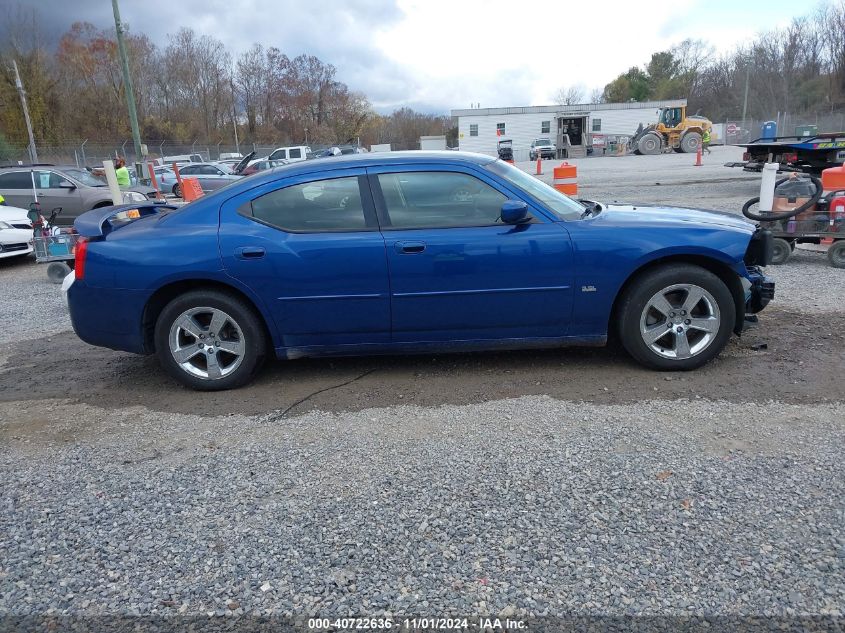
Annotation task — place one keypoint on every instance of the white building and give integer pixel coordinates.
(573, 128)
(432, 142)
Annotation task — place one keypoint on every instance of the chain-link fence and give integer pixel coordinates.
(83, 153)
(737, 131)
(89, 153)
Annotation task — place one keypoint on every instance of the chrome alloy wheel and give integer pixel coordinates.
(680, 321)
(206, 343)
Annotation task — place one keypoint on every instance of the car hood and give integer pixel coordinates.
(13, 214)
(639, 214)
(144, 189)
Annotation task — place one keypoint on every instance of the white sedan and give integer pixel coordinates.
(18, 218)
(14, 242)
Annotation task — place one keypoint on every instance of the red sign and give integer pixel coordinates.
(732, 128)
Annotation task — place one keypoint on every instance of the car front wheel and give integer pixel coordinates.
(210, 340)
(678, 317)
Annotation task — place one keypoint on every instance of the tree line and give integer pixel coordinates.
(799, 69)
(192, 88)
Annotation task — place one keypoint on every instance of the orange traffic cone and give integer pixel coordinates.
(539, 171)
(698, 157)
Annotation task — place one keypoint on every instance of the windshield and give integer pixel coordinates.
(561, 205)
(542, 141)
(85, 177)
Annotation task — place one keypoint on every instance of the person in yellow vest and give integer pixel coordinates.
(705, 141)
(122, 173)
(2, 199)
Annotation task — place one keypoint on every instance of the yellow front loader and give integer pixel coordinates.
(673, 130)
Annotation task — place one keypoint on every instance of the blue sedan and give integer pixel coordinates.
(408, 252)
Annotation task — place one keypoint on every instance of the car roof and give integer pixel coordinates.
(348, 161)
(40, 166)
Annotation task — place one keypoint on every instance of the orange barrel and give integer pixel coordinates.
(565, 179)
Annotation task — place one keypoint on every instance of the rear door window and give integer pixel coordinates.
(295, 153)
(319, 206)
(15, 180)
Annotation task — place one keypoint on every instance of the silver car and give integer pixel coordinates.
(211, 176)
(74, 189)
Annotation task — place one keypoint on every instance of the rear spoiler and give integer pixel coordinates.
(100, 222)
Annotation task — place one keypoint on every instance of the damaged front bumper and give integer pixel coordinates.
(759, 290)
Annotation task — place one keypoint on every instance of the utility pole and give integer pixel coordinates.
(33, 153)
(235, 117)
(745, 99)
(127, 84)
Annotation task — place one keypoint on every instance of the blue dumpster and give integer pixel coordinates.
(769, 129)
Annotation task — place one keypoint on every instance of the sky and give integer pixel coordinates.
(437, 55)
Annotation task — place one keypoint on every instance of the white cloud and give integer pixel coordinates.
(437, 55)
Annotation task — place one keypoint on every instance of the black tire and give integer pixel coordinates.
(57, 271)
(637, 296)
(781, 250)
(650, 144)
(251, 337)
(690, 142)
(177, 190)
(836, 254)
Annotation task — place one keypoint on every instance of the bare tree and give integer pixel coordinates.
(569, 95)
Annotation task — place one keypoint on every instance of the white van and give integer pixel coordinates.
(291, 154)
(180, 159)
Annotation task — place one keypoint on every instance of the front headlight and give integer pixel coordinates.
(133, 196)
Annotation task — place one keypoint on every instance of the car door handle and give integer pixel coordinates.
(249, 252)
(409, 247)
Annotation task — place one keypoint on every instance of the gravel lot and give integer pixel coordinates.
(517, 484)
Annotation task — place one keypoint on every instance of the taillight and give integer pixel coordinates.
(80, 252)
(746, 156)
(790, 158)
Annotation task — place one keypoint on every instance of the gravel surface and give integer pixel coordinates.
(31, 306)
(524, 506)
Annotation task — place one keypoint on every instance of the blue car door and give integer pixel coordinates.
(456, 271)
(310, 247)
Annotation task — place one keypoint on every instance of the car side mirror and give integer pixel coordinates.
(515, 212)
(66, 184)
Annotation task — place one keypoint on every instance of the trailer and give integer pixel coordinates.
(808, 154)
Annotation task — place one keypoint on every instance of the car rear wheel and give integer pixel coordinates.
(676, 318)
(210, 340)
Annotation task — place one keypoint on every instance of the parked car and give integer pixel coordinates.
(15, 217)
(261, 165)
(290, 154)
(376, 253)
(14, 242)
(211, 176)
(542, 147)
(167, 182)
(349, 256)
(74, 189)
(180, 159)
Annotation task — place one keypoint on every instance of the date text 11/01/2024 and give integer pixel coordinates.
(416, 624)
